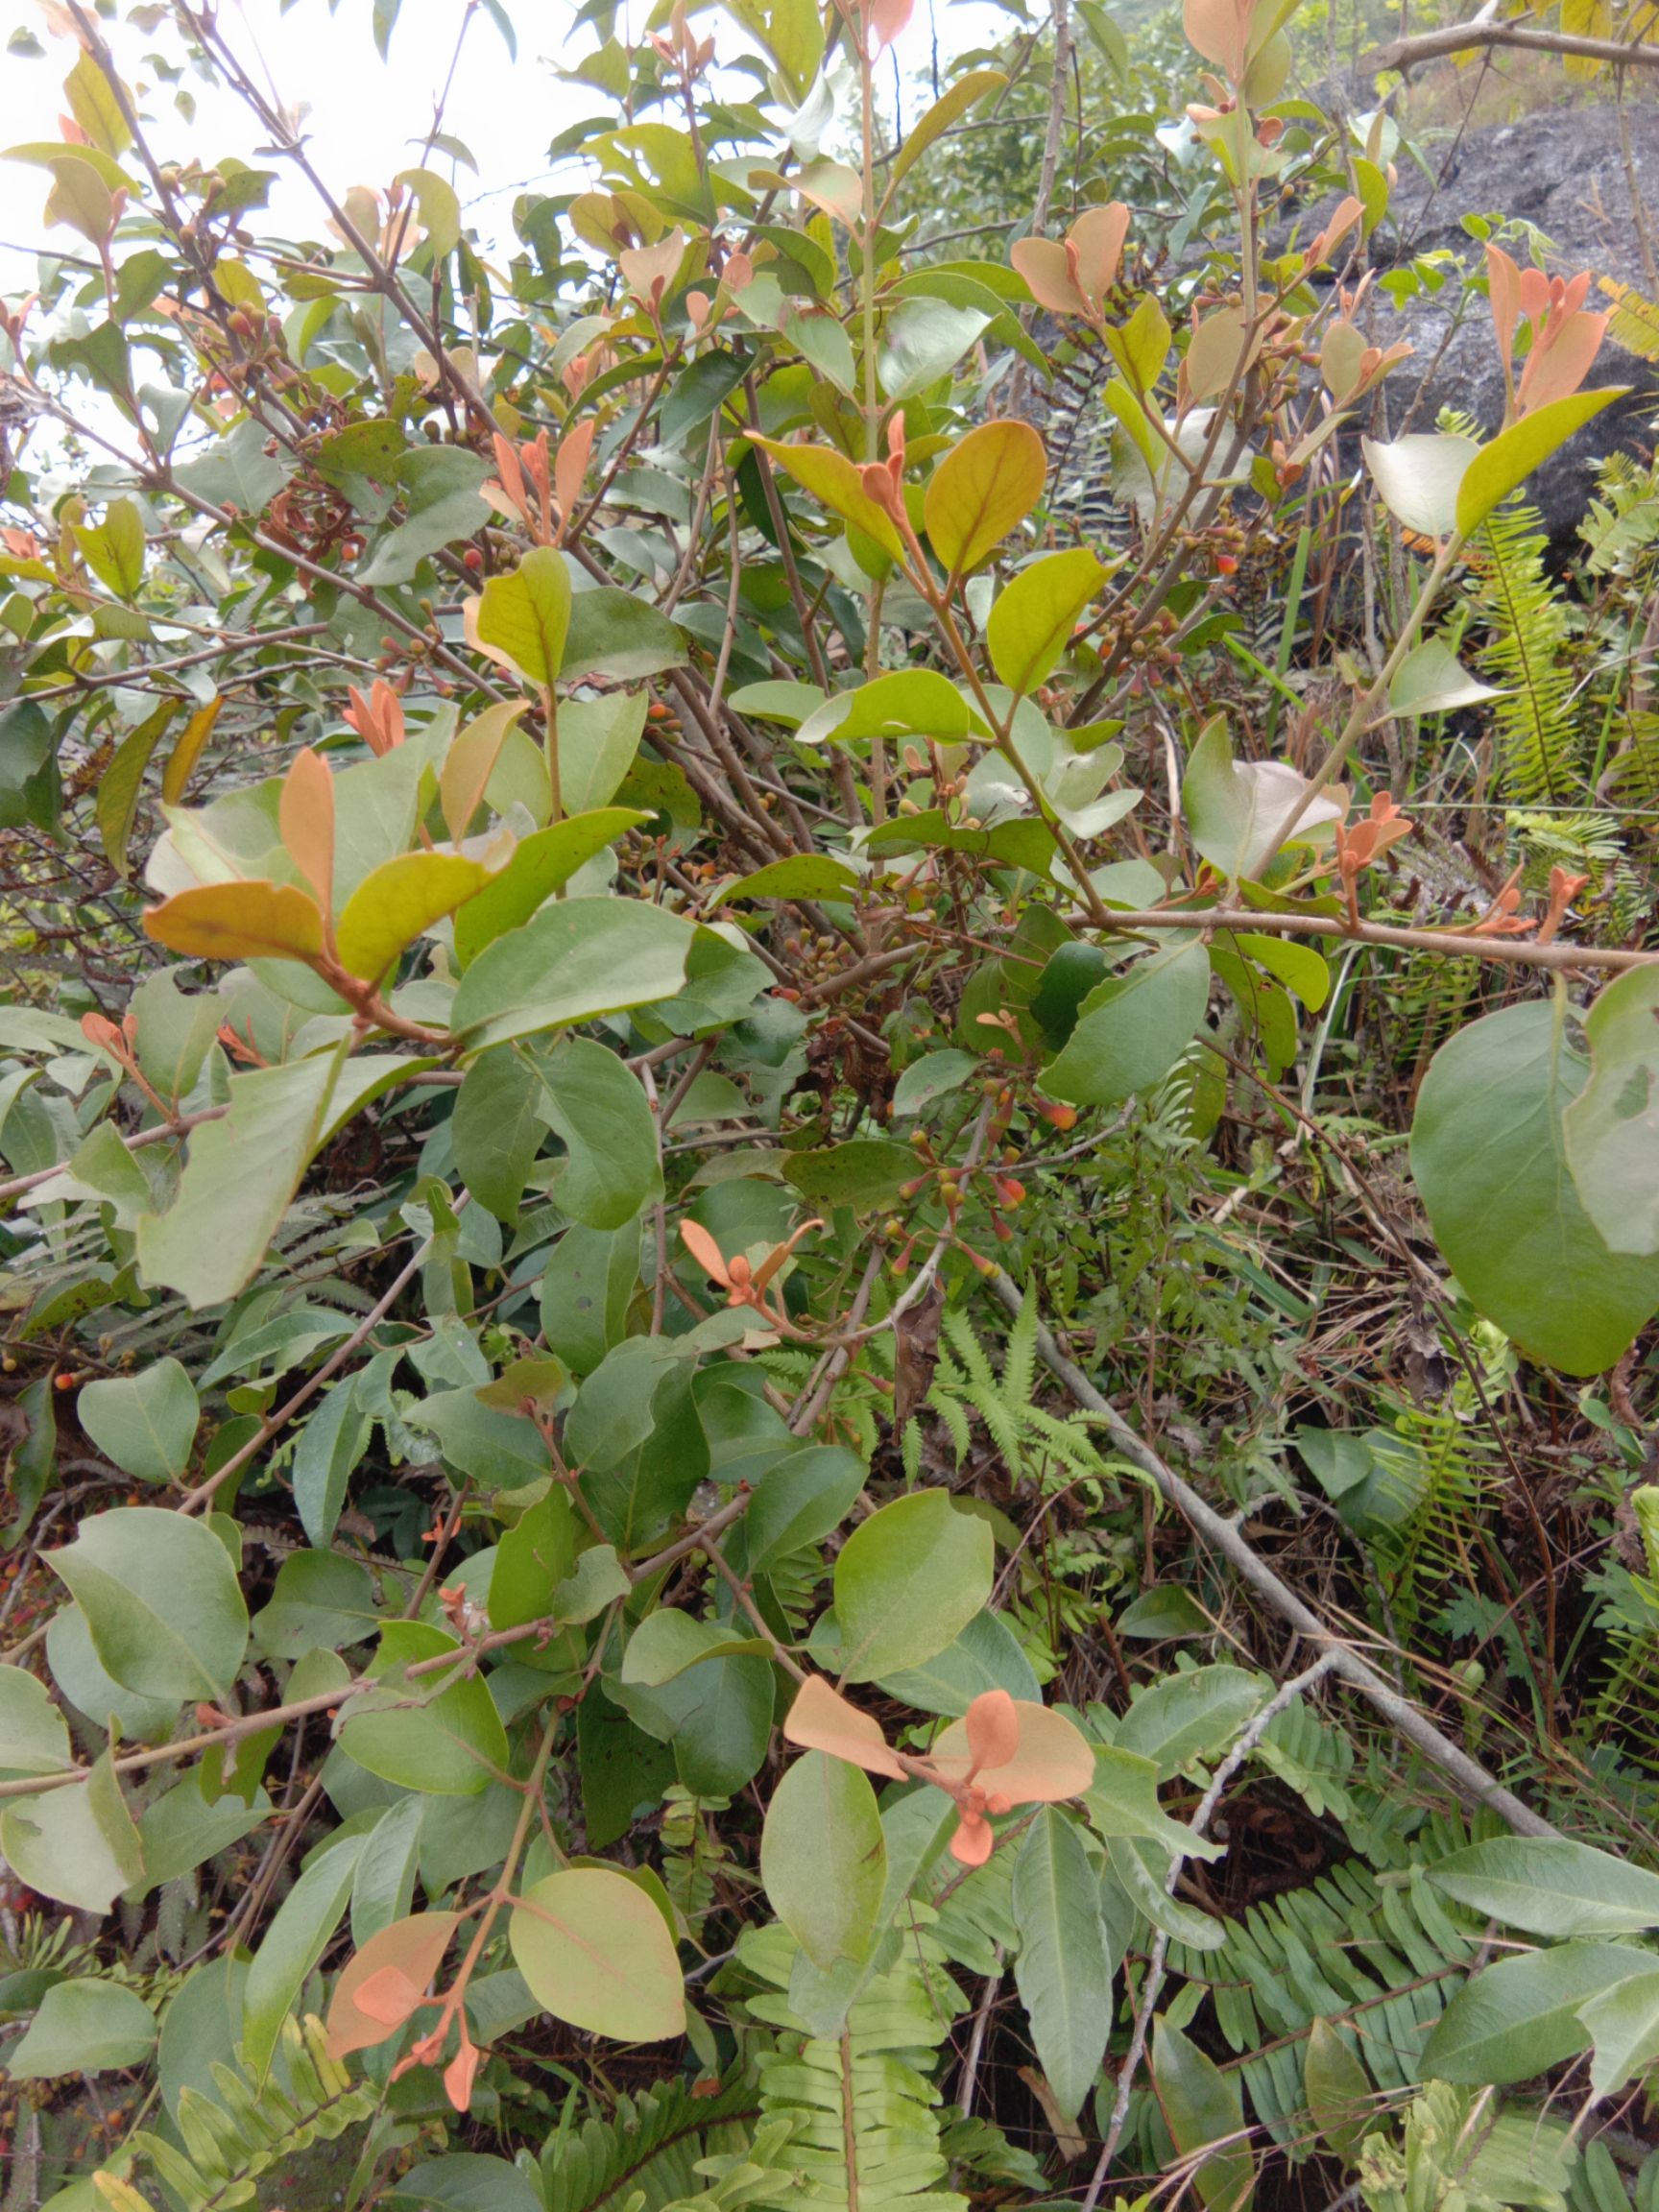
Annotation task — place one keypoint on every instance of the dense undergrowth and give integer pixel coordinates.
(826, 1108)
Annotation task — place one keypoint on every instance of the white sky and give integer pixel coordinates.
(363, 111)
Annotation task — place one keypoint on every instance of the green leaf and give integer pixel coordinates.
(122, 783)
(331, 1443)
(586, 1293)
(30, 792)
(1297, 965)
(542, 862)
(1612, 1128)
(89, 1687)
(812, 876)
(526, 617)
(598, 1107)
(1203, 2105)
(1623, 2024)
(33, 1735)
(949, 108)
(162, 1598)
(84, 2026)
(1521, 2016)
(594, 1951)
(535, 1555)
(1192, 1715)
(1122, 1800)
(1237, 811)
(442, 491)
(935, 1076)
(1497, 469)
(863, 1173)
(1431, 680)
(1033, 617)
(987, 1655)
(496, 1128)
(908, 1582)
(1133, 1027)
(799, 1501)
(922, 340)
(1140, 1870)
(981, 490)
(597, 741)
(294, 1940)
(1550, 1886)
(239, 1176)
(1337, 2089)
(571, 961)
(1488, 1154)
(440, 210)
(1142, 346)
(715, 1710)
(1418, 478)
(697, 391)
(76, 1845)
(904, 703)
(824, 1859)
(180, 1831)
(439, 1733)
(145, 1422)
(320, 1602)
(114, 548)
(1061, 1971)
(612, 633)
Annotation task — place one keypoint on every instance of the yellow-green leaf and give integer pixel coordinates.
(831, 478)
(523, 620)
(1032, 620)
(397, 900)
(1514, 454)
(981, 490)
(181, 760)
(93, 103)
(594, 1951)
(250, 920)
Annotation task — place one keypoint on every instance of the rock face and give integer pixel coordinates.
(1562, 171)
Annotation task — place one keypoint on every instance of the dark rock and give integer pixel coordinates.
(1562, 171)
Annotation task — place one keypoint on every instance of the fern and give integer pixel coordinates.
(1622, 522)
(644, 2154)
(1379, 1956)
(1456, 2149)
(1033, 1444)
(234, 2137)
(1445, 1467)
(1538, 741)
(861, 2104)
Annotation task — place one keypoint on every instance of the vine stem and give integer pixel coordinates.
(1511, 951)
(1467, 1774)
(1152, 1988)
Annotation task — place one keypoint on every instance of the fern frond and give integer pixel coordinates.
(862, 2107)
(1538, 741)
(232, 2137)
(645, 2152)
(1381, 1957)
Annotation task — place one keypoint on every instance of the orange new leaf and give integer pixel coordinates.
(305, 818)
(367, 2004)
(822, 1719)
(252, 920)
